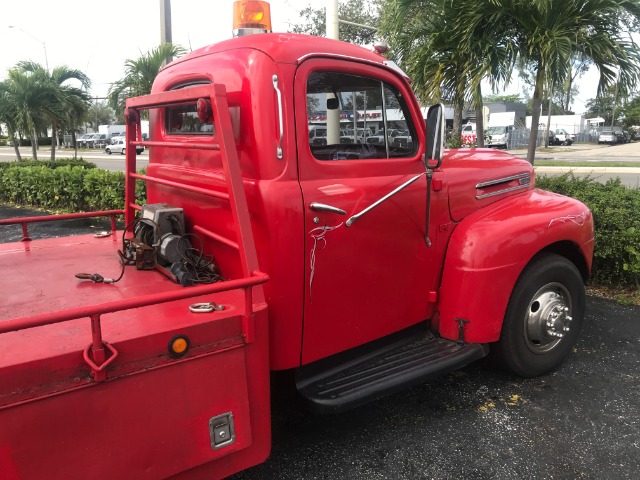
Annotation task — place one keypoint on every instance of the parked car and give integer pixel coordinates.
(403, 139)
(98, 140)
(81, 141)
(378, 138)
(620, 136)
(562, 137)
(120, 146)
(318, 136)
(360, 136)
(607, 136)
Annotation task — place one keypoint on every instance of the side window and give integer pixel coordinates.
(351, 117)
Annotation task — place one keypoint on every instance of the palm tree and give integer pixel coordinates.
(8, 116)
(72, 102)
(33, 101)
(444, 64)
(140, 74)
(548, 34)
(420, 44)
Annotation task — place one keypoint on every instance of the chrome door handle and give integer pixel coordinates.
(322, 207)
(280, 124)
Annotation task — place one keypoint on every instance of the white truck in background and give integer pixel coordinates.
(499, 129)
(119, 130)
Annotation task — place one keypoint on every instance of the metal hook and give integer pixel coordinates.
(205, 307)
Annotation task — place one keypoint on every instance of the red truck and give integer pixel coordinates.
(362, 268)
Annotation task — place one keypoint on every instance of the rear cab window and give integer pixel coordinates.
(184, 120)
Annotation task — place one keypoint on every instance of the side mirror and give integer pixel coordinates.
(435, 136)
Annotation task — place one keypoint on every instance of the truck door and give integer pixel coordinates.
(372, 278)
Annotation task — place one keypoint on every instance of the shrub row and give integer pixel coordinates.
(64, 186)
(58, 162)
(615, 207)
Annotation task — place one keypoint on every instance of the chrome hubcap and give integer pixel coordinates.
(548, 318)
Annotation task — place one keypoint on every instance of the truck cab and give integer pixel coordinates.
(385, 265)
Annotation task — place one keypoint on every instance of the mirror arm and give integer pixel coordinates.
(427, 240)
(355, 217)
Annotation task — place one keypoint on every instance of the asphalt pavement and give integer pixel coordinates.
(580, 421)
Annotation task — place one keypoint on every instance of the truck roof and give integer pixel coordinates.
(287, 48)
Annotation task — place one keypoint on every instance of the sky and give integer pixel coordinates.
(98, 37)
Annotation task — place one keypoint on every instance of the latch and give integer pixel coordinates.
(222, 431)
(461, 323)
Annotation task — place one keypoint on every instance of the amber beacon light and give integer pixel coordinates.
(251, 17)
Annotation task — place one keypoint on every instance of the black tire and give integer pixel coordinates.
(123, 152)
(543, 317)
(109, 151)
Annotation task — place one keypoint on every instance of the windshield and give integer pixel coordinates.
(496, 130)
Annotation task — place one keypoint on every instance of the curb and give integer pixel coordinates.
(587, 169)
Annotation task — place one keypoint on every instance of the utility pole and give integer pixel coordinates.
(333, 27)
(165, 25)
(333, 114)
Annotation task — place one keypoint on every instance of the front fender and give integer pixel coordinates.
(489, 249)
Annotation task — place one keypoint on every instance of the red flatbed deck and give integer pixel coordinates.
(39, 276)
(39, 279)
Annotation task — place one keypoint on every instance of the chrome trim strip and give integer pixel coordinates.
(503, 180)
(500, 192)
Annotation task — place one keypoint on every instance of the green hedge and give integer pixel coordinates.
(616, 209)
(65, 185)
(57, 163)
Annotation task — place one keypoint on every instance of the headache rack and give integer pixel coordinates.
(99, 354)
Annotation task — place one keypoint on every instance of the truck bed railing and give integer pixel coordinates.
(25, 221)
(222, 140)
(100, 354)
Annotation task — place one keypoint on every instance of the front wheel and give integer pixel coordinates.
(543, 318)
(109, 151)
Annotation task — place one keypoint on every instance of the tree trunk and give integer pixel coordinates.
(548, 127)
(458, 105)
(34, 145)
(535, 114)
(54, 141)
(479, 118)
(16, 147)
(75, 144)
(568, 96)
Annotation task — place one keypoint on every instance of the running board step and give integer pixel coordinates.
(363, 374)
